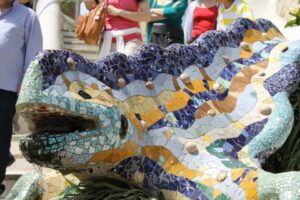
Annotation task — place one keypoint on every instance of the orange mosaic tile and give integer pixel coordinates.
(196, 86)
(152, 116)
(179, 101)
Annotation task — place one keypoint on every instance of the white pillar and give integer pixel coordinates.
(48, 12)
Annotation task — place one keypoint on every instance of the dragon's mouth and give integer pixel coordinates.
(49, 119)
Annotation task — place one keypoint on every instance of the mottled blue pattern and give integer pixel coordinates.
(156, 178)
(151, 60)
(287, 79)
(185, 116)
(232, 146)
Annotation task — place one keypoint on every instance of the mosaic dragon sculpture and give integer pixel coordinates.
(192, 121)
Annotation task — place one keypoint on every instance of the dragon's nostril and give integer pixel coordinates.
(285, 49)
(90, 170)
(124, 126)
(84, 95)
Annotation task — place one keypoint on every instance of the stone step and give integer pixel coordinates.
(69, 34)
(80, 48)
(15, 150)
(90, 55)
(17, 137)
(20, 167)
(70, 40)
(9, 183)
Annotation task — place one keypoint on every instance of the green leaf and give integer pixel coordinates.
(73, 185)
(291, 23)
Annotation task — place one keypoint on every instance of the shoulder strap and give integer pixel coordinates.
(154, 4)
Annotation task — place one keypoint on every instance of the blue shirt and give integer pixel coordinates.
(20, 41)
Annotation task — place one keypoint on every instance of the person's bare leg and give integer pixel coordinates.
(131, 46)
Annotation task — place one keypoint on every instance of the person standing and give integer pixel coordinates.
(164, 27)
(20, 41)
(122, 30)
(200, 17)
(230, 10)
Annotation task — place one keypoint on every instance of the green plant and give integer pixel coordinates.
(296, 14)
(106, 189)
(68, 7)
(66, 4)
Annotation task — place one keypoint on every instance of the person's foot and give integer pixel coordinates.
(2, 188)
(11, 160)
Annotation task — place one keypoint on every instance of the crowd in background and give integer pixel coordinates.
(168, 21)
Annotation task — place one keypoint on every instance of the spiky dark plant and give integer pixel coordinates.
(106, 189)
(287, 158)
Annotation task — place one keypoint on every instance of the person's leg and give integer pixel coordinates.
(113, 47)
(7, 110)
(159, 39)
(131, 46)
(174, 37)
(2, 188)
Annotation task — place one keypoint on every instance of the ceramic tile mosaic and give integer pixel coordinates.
(26, 188)
(192, 121)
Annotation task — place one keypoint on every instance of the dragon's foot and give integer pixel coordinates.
(283, 186)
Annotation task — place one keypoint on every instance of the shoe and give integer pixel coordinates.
(2, 188)
(11, 160)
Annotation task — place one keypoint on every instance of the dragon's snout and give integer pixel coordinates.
(32, 146)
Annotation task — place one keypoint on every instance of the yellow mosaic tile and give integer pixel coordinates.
(236, 173)
(209, 182)
(176, 169)
(249, 186)
(174, 195)
(196, 86)
(216, 193)
(151, 152)
(139, 104)
(251, 36)
(207, 138)
(257, 81)
(273, 60)
(169, 134)
(179, 101)
(247, 54)
(128, 150)
(239, 125)
(267, 101)
(188, 173)
(152, 116)
(273, 32)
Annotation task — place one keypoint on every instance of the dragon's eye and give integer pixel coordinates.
(124, 126)
(84, 95)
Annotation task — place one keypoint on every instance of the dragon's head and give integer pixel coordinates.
(71, 115)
